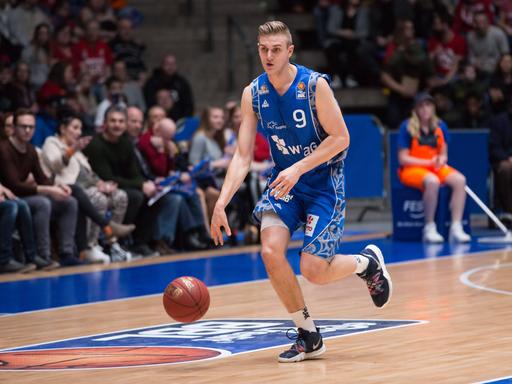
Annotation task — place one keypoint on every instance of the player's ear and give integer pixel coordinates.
(291, 47)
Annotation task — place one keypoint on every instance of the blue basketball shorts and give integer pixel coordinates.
(316, 202)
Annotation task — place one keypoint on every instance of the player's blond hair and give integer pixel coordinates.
(275, 27)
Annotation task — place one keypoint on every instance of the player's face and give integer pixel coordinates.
(274, 52)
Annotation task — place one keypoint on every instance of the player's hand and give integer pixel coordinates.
(284, 182)
(219, 221)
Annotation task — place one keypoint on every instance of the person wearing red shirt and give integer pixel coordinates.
(446, 49)
(92, 55)
(465, 11)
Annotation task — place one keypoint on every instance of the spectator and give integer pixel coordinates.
(46, 201)
(208, 144)
(500, 156)
(423, 157)
(22, 21)
(86, 100)
(130, 88)
(505, 18)
(126, 49)
(446, 49)
(500, 88)
(112, 158)
(61, 14)
(475, 114)
(165, 101)
(15, 214)
(167, 77)
(60, 83)
(159, 150)
(467, 83)
(92, 55)
(321, 14)
(465, 14)
(407, 69)
(114, 96)
(7, 129)
(20, 92)
(60, 46)
(155, 114)
(37, 55)
(9, 52)
(47, 120)
(5, 10)
(346, 28)
(63, 156)
(486, 45)
(103, 14)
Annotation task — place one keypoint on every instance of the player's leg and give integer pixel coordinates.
(275, 237)
(457, 182)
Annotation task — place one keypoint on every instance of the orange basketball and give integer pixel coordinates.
(186, 299)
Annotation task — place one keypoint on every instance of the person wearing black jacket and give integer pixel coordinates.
(167, 77)
(500, 156)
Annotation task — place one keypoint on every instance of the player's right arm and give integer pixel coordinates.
(238, 169)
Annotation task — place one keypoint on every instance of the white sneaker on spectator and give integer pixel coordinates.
(119, 254)
(430, 234)
(96, 255)
(457, 233)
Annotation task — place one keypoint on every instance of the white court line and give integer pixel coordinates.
(494, 380)
(395, 264)
(464, 278)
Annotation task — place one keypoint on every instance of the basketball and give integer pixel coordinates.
(186, 299)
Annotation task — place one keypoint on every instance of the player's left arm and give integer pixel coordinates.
(337, 140)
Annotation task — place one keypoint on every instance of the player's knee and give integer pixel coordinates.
(312, 268)
(271, 256)
(431, 182)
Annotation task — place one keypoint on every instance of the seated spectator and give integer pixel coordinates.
(486, 44)
(468, 82)
(37, 55)
(114, 96)
(15, 214)
(63, 156)
(346, 27)
(126, 49)
(47, 120)
(46, 201)
(130, 88)
(160, 151)
(22, 20)
(61, 46)
(504, 20)
(446, 49)
(475, 115)
(9, 53)
(155, 114)
(407, 69)
(465, 14)
(92, 55)
(208, 144)
(86, 100)
(165, 101)
(60, 83)
(104, 15)
(61, 13)
(423, 157)
(7, 128)
(19, 90)
(500, 156)
(500, 87)
(167, 77)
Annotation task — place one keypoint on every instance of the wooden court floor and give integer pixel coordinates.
(467, 336)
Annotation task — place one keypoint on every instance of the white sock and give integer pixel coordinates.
(361, 263)
(303, 320)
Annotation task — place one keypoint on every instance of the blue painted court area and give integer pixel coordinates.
(128, 282)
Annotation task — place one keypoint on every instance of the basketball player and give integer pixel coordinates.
(296, 109)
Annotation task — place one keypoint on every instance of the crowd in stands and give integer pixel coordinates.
(90, 168)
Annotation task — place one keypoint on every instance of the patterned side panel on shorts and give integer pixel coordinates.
(328, 241)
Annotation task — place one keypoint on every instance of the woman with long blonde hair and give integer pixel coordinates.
(423, 157)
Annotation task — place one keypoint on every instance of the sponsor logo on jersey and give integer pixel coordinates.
(311, 223)
(300, 91)
(275, 125)
(264, 104)
(297, 149)
(175, 343)
(263, 89)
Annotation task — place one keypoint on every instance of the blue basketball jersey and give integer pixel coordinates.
(290, 121)
(291, 125)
